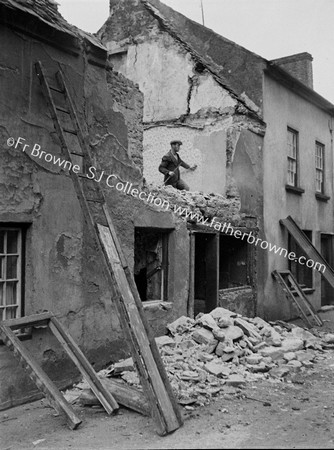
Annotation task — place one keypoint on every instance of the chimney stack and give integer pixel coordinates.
(299, 66)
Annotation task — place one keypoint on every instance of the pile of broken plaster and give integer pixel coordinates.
(217, 352)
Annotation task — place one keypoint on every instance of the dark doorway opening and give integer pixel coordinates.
(302, 273)
(233, 266)
(205, 272)
(327, 291)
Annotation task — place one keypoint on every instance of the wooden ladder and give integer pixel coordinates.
(40, 378)
(143, 347)
(296, 296)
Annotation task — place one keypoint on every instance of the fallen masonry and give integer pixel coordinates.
(218, 353)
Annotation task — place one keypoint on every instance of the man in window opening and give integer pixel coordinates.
(170, 167)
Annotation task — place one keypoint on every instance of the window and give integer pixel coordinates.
(319, 167)
(10, 272)
(302, 273)
(151, 263)
(292, 157)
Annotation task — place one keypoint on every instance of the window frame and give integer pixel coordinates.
(319, 145)
(293, 158)
(19, 272)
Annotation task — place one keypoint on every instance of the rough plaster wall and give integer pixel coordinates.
(64, 274)
(204, 147)
(161, 68)
(207, 93)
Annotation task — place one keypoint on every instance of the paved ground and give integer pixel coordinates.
(264, 414)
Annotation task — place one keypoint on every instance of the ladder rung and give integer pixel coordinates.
(56, 89)
(69, 131)
(59, 108)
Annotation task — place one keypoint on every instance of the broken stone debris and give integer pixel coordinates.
(221, 351)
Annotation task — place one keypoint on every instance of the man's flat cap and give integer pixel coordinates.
(175, 142)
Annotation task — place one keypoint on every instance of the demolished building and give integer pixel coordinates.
(186, 98)
(48, 256)
(194, 82)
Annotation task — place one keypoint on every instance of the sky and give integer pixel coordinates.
(270, 28)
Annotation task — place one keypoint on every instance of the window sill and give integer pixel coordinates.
(321, 197)
(294, 189)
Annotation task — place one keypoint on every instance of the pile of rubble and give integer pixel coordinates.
(208, 355)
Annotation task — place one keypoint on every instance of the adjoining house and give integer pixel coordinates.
(281, 164)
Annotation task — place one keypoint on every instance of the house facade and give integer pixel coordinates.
(177, 63)
(48, 256)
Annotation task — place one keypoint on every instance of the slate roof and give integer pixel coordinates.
(47, 12)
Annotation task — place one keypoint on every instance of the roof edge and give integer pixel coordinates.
(169, 28)
(297, 86)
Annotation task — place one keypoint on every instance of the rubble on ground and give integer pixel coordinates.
(218, 353)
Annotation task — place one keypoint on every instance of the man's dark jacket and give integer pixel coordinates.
(168, 164)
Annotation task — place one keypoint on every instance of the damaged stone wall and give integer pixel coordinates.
(128, 100)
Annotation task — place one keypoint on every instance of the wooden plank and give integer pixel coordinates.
(127, 396)
(163, 407)
(307, 246)
(79, 359)
(39, 377)
(118, 255)
(28, 321)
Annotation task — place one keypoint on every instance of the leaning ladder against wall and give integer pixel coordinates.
(143, 347)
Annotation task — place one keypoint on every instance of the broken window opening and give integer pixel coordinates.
(151, 263)
(302, 273)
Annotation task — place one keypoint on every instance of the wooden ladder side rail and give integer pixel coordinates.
(302, 296)
(139, 304)
(168, 418)
(307, 246)
(39, 377)
(290, 297)
(155, 389)
(79, 359)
